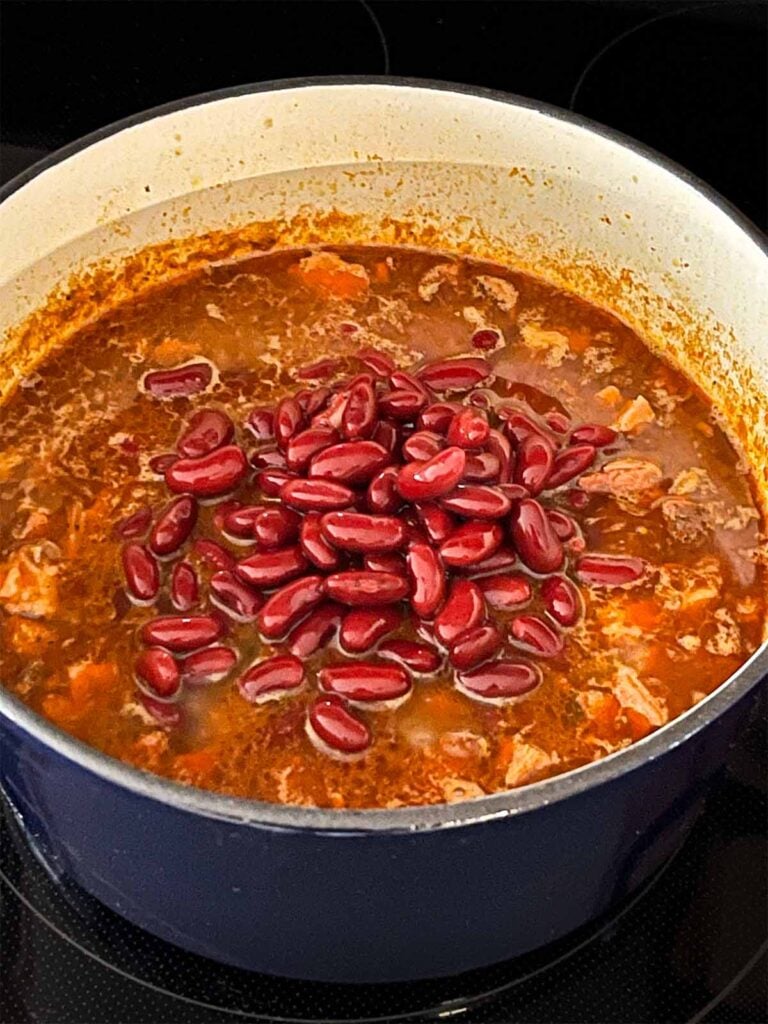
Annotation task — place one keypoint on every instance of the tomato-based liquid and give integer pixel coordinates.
(506, 541)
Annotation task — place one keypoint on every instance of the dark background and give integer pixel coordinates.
(689, 79)
(686, 78)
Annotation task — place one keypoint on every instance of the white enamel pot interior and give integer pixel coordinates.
(394, 161)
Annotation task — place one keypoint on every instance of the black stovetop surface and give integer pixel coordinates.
(686, 78)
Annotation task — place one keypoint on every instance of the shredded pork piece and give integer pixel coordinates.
(726, 640)
(687, 521)
(460, 789)
(634, 416)
(527, 763)
(688, 481)
(609, 395)
(623, 477)
(632, 693)
(552, 344)
(28, 582)
(435, 278)
(463, 743)
(503, 293)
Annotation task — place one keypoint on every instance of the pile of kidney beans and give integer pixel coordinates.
(387, 496)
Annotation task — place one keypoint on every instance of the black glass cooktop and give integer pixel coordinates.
(688, 79)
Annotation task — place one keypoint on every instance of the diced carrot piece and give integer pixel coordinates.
(326, 272)
(639, 725)
(643, 613)
(579, 340)
(381, 272)
(196, 763)
(90, 680)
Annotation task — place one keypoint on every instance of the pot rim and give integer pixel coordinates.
(239, 810)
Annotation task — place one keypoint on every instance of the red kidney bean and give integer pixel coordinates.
(359, 587)
(382, 495)
(517, 425)
(437, 523)
(314, 545)
(234, 598)
(402, 403)
(438, 416)
(240, 522)
(261, 423)
(498, 681)
(422, 445)
(272, 679)
(481, 467)
(389, 562)
(268, 458)
(208, 666)
(427, 578)
(535, 635)
(455, 374)
(419, 658)
(182, 633)
(474, 646)
(562, 524)
(571, 462)
(355, 531)
(210, 475)
(165, 714)
(286, 606)
(365, 682)
(481, 399)
(498, 445)
(561, 599)
(502, 559)
(362, 628)
(222, 510)
(334, 729)
(288, 418)
(331, 415)
(320, 370)
(506, 591)
(535, 540)
(468, 429)
(477, 501)
(609, 570)
(160, 463)
(593, 433)
(486, 338)
(464, 609)
(379, 362)
(271, 568)
(557, 421)
(212, 554)
(316, 495)
(471, 543)
(423, 481)
(403, 381)
(275, 527)
(205, 431)
(178, 382)
(157, 670)
(386, 434)
(302, 446)
(351, 462)
(141, 573)
(359, 417)
(535, 457)
(313, 400)
(184, 587)
(134, 525)
(269, 481)
(174, 525)
(316, 630)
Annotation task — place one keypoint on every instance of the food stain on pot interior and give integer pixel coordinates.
(364, 527)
